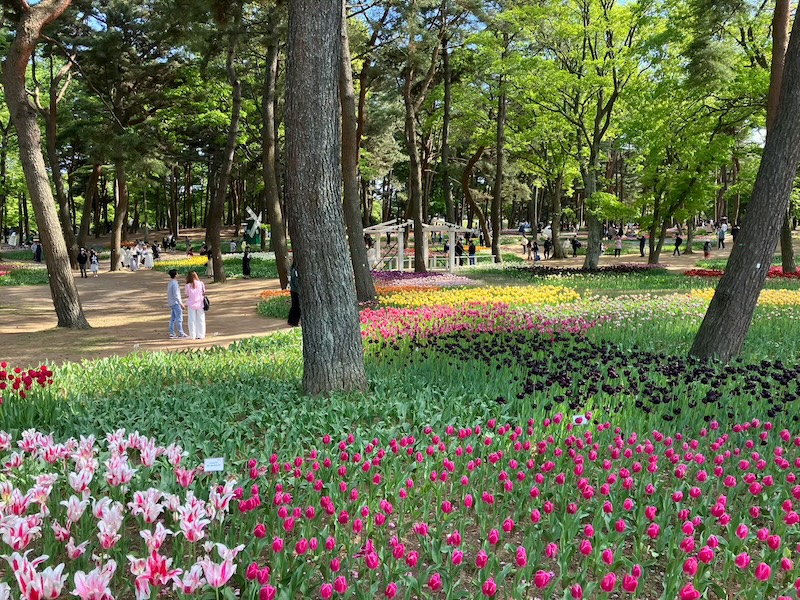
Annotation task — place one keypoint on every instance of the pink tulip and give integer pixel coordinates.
(489, 588)
(608, 582)
(267, 593)
(688, 592)
(435, 582)
(542, 579)
(576, 591)
(391, 590)
(763, 572)
(630, 583)
(326, 591)
(340, 585)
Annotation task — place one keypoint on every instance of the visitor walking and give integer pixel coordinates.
(94, 263)
(460, 252)
(294, 290)
(707, 249)
(548, 246)
(233, 246)
(720, 238)
(678, 242)
(37, 252)
(472, 251)
(618, 246)
(195, 292)
(246, 262)
(175, 306)
(148, 258)
(734, 232)
(134, 261)
(83, 258)
(642, 241)
(575, 245)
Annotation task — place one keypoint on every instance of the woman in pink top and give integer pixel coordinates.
(195, 290)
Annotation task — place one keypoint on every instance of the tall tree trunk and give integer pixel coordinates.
(32, 20)
(270, 149)
(365, 287)
(594, 225)
(414, 170)
(689, 236)
(781, 23)
(215, 211)
(728, 319)
(6, 134)
(51, 121)
(555, 223)
(88, 203)
(120, 213)
(448, 192)
(497, 196)
(333, 353)
(174, 213)
(465, 179)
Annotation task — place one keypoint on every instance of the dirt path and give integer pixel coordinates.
(128, 312)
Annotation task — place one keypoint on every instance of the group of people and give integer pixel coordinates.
(195, 302)
(530, 249)
(458, 250)
(91, 259)
(139, 255)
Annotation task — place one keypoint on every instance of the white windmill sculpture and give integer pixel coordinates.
(251, 232)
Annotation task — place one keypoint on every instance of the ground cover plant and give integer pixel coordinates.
(516, 442)
(260, 267)
(22, 273)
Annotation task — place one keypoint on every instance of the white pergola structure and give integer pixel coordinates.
(395, 226)
(449, 228)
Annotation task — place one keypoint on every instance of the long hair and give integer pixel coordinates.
(191, 277)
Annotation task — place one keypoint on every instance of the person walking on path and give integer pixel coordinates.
(642, 242)
(618, 246)
(175, 306)
(246, 258)
(83, 258)
(678, 242)
(195, 292)
(472, 251)
(94, 263)
(706, 249)
(548, 246)
(575, 245)
(720, 238)
(294, 290)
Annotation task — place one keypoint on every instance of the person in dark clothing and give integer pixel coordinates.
(735, 232)
(83, 258)
(37, 253)
(706, 249)
(472, 251)
(460, 253)
(575, 245)
(642, 242)
(548, 246)
(678, 242)
(721, 238)
(246, 263)
(294, 290)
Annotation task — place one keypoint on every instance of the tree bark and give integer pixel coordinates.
(64, 292)
(689, 236)
(780, 40)
(414, 170)
(270, 150)
(555, 223)
(448, 192)
(497, 196)
(88, 203)
(333, 353)
(594, 226)
(50, 115)
(120, 213)
(365, 287)
(465, 177)
(216, 210)
(728, 319)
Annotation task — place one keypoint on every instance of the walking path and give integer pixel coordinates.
(128, 312)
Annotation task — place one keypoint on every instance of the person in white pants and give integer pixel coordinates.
(195, 292)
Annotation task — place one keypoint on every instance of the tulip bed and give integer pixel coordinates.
(22, 273)
(260, 267)
(516, 442)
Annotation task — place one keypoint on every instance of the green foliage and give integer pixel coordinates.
(276, 308)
